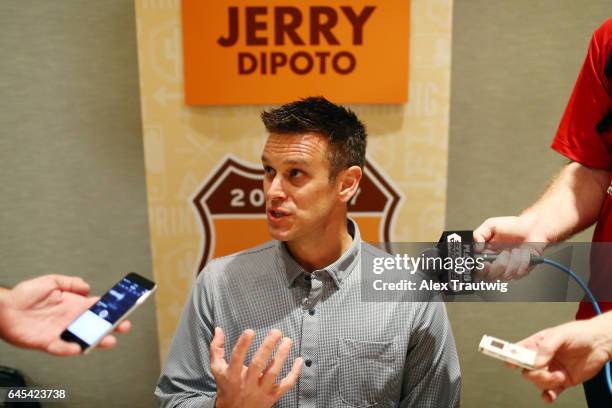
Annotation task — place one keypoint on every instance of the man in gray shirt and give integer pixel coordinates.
(229, 349)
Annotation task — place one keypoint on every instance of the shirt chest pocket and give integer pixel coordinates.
(369, 373)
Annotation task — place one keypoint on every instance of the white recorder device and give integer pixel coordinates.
(508, 352)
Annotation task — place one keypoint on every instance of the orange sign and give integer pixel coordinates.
(231, 205)
(275, 51)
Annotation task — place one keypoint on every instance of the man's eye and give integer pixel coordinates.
(295, 172)
(268, 170)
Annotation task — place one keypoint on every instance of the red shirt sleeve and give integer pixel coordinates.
(576, 137)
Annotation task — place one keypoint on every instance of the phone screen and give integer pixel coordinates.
(112, 306)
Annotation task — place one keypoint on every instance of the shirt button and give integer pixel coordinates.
(308, 363)
(312, 312)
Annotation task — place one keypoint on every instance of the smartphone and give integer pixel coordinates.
(114, 306)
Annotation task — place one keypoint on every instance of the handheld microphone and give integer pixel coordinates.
(455, 245)
(458, 247)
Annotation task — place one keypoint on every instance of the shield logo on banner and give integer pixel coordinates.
(231, 205)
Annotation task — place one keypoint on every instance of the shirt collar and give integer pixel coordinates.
(338, 270)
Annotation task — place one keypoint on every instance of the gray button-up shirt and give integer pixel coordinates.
(357, 354)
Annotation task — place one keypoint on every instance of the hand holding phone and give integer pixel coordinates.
(114, 306)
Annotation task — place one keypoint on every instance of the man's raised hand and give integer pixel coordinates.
(254, 385)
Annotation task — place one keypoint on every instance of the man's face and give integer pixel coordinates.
(300, 198)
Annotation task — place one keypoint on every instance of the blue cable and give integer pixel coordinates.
(593, 301)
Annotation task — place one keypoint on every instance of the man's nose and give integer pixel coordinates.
(276, 191)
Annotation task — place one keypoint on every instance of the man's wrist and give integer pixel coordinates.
(535, 223)
(603, 325)
(222, 402)
(225, 402)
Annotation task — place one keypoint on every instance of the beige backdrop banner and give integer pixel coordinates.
(184, 146)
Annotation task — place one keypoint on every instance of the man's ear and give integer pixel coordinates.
(349, 182)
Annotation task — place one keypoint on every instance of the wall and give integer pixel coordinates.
(72, 173)
(514, 66)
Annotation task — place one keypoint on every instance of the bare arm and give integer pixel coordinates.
(570, 204)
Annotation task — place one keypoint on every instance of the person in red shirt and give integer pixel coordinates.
(580, 195)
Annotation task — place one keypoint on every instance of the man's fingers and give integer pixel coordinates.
(217, 344)
(557, 391)
(525, 258)
(533, 341)
(550, 396)
(291, 379)
(483, 233)
(548, 346)
(545, 343)
(72, 284)
(124, 327)
(261, 356)
(273, 370)
(518, 264)
(217, 352)
(240, 351)
(497, 268)
(63, 348)
(483, 273)
(544, 379)
(108, 342)
(514, 261)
